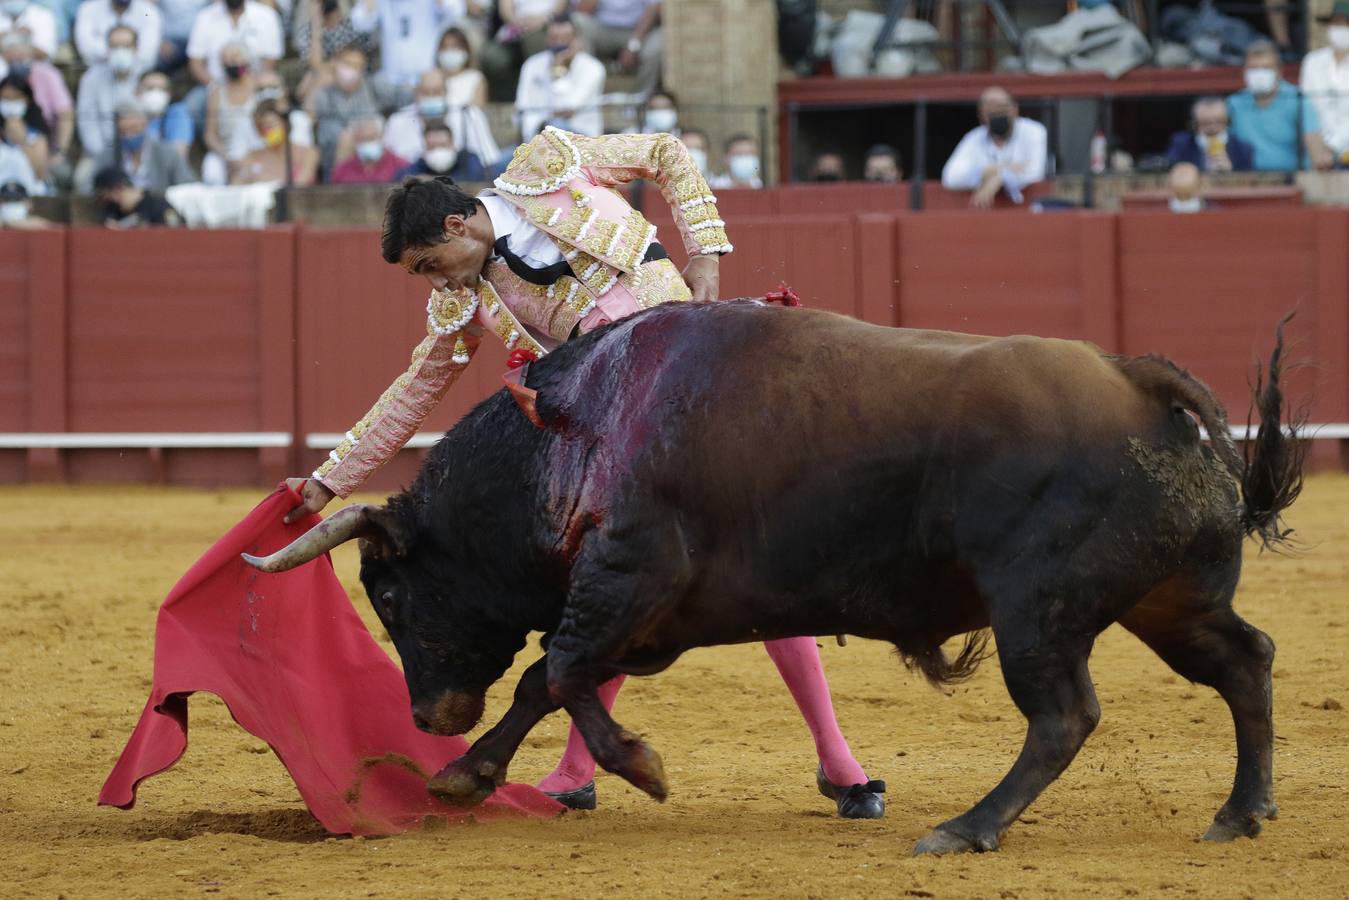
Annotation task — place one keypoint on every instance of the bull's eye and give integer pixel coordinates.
(387, 599)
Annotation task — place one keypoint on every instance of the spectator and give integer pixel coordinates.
(695, 141)
(229, 113)
(22, 125)
(561, 86)
(267, 162)
(1209, 145)
(442, 157)
(882, 165)
(333, 20)
(97, 17)
(1269, 116)
(16, 210)
(661, 114)
(102, 87)
(523, 33)
(49, 91)
(403, 133)
(466, 92)
(408, 33)
(177, 18)
(1005, 153)
(169, 122)
(372, 163)
(14, 166)
(341, 103)
(37, 22)
(152, 166)
(627, 31)
(1325, 82)
(127, 206)
(268, 86)
(1186, 185)
(828, 167)
(254, 25)
(742, 164)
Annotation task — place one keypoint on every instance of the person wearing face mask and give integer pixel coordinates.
(443, 157)
(695, 140)
(1208, 144)
(1185, 183)
(331, 20)
(523, 33)
(102, 87)
(661, 115)
(229, 113)
(150, 164)
(408, 33)
(16, 210)
(22, 125)
(882, 165)
(466, 93)
(403, 133)
(371, 162)
(267, 162)
(349, 97)
(38, 22)
(1324, 82)
(561, 86)
(269, 88)
(1004, 154)
(828, 168)
(1271, 117)
(97, 17)
(742, 164)
(49, 91)
(169, 122)
(255, 26)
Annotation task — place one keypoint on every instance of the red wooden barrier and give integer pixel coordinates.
(296, 331)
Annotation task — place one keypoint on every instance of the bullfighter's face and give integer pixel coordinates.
(456, 262)
(448, 664)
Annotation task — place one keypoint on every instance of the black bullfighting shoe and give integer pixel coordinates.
(856, 801)
(581, 798)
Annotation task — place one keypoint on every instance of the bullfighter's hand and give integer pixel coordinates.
(703, 276)
(315, 495)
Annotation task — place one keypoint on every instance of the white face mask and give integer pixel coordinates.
(1193, 205)
(13, 212)
(699, 158)
(441, 159)
(1338, 35)
(155, 101)
(744, 167)
(660, 120)
(122, 59)
(13, 8)
(1261, 81)
(370, 151)
(452, 59)
(13, 109)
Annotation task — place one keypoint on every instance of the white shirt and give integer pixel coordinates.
(409, 33)
(1326, 84)
(245, 139)
(96, 100)
(403, 133)
(97, 17)
(1026, 149)
(258, 28)
(40, 23)
(540, 97)
(14, 166)
(724, 181)
(621, 13)
(178, 17)
(525, 240)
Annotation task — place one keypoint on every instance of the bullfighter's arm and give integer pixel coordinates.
(451, 339)
(620, 158)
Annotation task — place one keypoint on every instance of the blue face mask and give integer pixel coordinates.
(133, 143)
(432, 107)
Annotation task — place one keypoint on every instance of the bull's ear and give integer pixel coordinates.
(388, 528)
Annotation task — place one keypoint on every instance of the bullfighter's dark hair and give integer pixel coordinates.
(414, 215)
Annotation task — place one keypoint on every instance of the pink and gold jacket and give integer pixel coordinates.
(563, 184)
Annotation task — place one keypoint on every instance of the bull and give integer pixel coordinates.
(731, 472)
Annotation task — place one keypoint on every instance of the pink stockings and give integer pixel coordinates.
(798, 661)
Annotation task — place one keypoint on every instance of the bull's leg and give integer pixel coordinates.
(576, 768)
(471, 779)
(1216, 647)
(1051, 686)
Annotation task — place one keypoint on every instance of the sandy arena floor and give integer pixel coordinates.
(86, 568)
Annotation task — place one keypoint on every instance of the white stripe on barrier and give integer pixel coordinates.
(1329, 431)
(115, 440)
(325, 440)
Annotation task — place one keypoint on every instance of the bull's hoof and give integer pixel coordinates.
(461, 786)
(1230, 826)
(642, 768)
(939, 842)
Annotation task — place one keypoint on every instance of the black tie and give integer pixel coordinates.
(546, 275)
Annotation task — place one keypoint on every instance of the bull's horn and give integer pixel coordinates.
(338, 528)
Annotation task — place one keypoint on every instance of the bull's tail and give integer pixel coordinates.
(940, 669)
(1270, 470)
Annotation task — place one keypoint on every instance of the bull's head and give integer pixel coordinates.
(449, 657)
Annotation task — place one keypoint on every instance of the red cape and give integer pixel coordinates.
(298, 669)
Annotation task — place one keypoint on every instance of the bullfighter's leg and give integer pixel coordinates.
(1214, 646)
(1052, 688)
(576, 769)
(471, 779)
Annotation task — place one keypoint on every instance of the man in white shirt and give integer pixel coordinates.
(405, 130)
(1325, 82)
(103, 87)
(1005, 153)
(246, 22)
(409, 33)
(97, 17)
(37, 22)
(561, 86)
